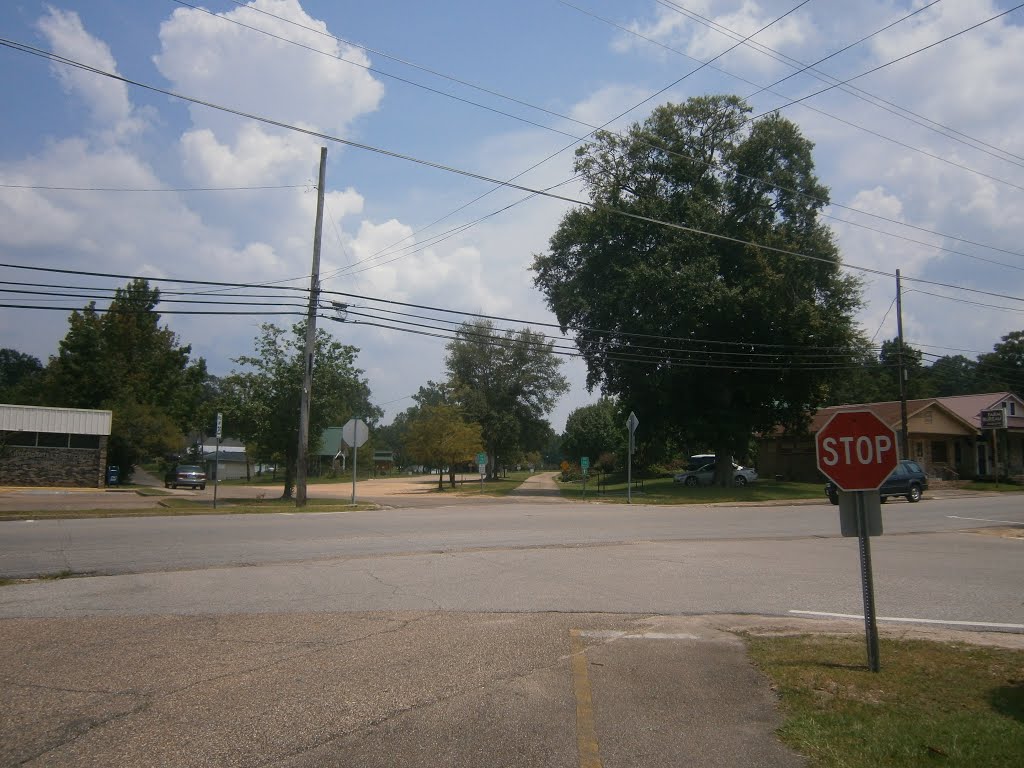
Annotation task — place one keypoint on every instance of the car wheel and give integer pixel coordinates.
(915, 493)
(834, 498)
(202, 487)
(883, 499)
(739, 480)
(167, 485)
(691, 481)
(174, 486)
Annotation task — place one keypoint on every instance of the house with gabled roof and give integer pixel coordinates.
(944, 435)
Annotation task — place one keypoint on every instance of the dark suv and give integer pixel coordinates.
(185, 474)
(907, 480)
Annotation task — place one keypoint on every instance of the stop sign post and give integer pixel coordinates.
(856, 450)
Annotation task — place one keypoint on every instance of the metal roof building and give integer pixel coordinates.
(42, 446)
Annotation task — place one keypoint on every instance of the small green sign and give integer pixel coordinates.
(481, 458)
(585, 462)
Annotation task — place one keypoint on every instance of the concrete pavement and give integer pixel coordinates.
(383, 689)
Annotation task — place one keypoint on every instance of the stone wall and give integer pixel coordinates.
(64, 467)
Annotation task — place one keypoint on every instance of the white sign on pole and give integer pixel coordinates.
(220, 426)
(355, 433)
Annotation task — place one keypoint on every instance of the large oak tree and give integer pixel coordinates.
(707, 339)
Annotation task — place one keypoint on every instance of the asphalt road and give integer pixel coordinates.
(514, 633)
(932, 563)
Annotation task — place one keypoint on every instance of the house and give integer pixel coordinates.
(228, 461)
(42, 446)
(944, 435)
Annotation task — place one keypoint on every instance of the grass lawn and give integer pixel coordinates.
(931, 704)
(990, 487)
(471, 485)
(664, 491)
(177, 505)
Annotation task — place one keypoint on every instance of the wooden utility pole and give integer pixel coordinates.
(302, 461)
(904, 447)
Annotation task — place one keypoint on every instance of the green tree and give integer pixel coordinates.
(594, 430)
(125, 361)
(507, 383)
(918, 383)
(20, 376)
(1003, 367)
(707, 339)
(438, 436)
(953, 375)
(261, 402)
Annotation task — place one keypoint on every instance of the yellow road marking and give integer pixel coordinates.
(586, 735)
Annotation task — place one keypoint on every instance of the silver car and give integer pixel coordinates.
(706, 475)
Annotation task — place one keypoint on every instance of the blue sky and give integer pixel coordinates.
(553, 61)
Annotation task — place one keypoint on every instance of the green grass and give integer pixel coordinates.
(931, 704)
(471, 485)
(176, 505)
(989, 486)
(664, 491)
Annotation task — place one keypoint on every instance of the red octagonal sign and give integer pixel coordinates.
(856, 450)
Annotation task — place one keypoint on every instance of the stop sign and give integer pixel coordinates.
(856, 450)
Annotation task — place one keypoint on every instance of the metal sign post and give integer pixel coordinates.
(216, 457)
(481, 463)
(867, 583)
(631, 424)
(856, 450)
(355, 433)
(584, 468)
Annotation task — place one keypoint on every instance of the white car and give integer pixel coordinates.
(706, 475)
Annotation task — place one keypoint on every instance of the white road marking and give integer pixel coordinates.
(985, 520)
(989, 624)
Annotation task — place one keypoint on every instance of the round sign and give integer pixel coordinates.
(856, 450)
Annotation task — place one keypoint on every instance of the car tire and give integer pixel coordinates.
(883, 499)
(914, 495)
(739, 481)
(691, 481)
(167, 485)
(834, 499)
(202, 487)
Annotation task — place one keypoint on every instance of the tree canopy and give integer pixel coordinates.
(438, 436)
(124, 360)
(594, 430)
(507, 382)
(261, 402)
(708, 338)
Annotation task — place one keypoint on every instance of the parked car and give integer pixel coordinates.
(705, 475)
(185, 474)
(907, 480)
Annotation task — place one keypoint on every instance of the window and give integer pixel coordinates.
(1013, 408)
(53, 440)
(20, 438)
(85, 441)
(940, 451)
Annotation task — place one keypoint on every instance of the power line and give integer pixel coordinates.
(468, 174)
(608, 332)
(852, 90)
(43, 187)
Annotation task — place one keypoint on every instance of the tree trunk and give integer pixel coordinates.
(289, 479)
(440, 479)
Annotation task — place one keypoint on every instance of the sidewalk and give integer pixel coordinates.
(382, 690)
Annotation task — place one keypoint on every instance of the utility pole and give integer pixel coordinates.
(904, 447)
(307, 372)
